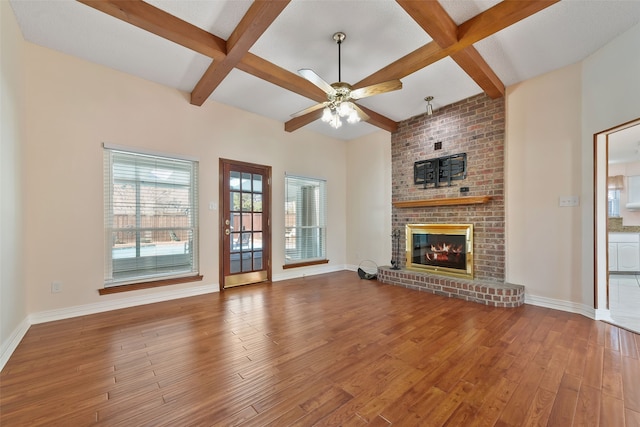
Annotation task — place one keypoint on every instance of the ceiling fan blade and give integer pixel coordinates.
(376, 89)
(316, 80)
(363, 116)
(309, 110)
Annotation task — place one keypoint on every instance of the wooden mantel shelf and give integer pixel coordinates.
(476, 200)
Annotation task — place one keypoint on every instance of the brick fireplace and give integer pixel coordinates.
(475, 126)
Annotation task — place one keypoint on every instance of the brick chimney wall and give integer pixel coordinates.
(475, 126)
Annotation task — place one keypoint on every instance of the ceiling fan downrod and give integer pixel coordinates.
(339, 38)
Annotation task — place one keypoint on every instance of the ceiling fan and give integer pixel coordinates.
(340, 94)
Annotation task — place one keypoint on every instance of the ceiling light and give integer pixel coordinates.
(429, 106)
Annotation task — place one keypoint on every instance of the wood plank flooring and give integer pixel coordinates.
(329, 350)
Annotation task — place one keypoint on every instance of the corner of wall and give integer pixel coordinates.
(13, 311)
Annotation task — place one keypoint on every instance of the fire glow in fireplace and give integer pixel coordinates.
(441, 249)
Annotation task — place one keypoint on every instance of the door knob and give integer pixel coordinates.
(226, 231)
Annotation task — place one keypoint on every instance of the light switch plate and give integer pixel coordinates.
(569, 201)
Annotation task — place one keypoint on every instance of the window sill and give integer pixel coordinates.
(305, 263)
(148, 285)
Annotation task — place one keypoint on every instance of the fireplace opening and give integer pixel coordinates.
(440, 248)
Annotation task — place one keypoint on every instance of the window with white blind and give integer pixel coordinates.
(613, 203)
(305, 219)
(151, 217)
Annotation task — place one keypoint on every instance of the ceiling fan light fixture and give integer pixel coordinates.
(353, 117)
(327, 115)
(335, 122)
(345, 109)
(429, 106)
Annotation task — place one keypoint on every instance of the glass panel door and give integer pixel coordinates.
(245, 223)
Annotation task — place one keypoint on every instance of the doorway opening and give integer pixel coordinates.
(245, 224)
(617, 225)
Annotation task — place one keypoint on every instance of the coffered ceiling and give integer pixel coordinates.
(246, 54)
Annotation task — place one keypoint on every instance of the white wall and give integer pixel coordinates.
(369, 200)
(73, 106)
(13, 310)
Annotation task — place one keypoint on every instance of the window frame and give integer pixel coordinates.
(294, 234)
(156, 269)
(613, 203)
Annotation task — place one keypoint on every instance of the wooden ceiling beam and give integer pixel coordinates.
(498, 18)
(157, 21)
(470, 60)
(475, 29)
(278, 76)
(432, 17)
(379, 120)
(253, 24)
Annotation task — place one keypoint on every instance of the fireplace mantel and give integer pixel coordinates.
(448, 201)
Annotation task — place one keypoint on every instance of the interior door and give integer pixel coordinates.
(245, 225)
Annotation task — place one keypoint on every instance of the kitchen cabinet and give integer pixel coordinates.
(624, 252)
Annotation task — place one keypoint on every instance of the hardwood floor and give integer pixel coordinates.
(330, 350)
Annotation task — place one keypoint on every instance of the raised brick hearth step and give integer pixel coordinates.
(487, 293)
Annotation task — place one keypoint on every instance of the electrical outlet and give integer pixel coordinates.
(56, 287)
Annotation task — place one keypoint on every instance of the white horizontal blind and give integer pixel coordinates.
(305, 219)
(151, 217)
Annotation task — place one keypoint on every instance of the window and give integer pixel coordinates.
(305, 220)
(151, 217)
(613, 203)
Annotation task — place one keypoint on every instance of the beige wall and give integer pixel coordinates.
(611, 90)
(73, 106)
(543, 162)
(13, 310)
(551, 122)
(369, 200)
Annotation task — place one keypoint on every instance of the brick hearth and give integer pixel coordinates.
(487, 293)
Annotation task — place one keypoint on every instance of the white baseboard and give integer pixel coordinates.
(10, 345)
(311, 270)
(603, 314)
(132, 301)
(556, 304)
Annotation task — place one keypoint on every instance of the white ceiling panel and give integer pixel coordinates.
(435, 81)
(219, 18)
(75, 29)
(563, 34)
(379, 32)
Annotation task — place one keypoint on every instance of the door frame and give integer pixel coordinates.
(266, 194)
(600, 215)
